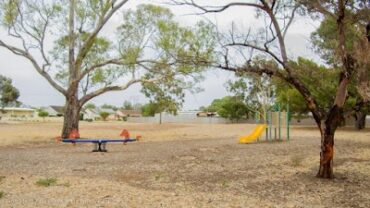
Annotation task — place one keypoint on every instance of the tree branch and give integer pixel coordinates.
(265, 50)
(215, 9)
(290, 20)
(96, 66)
(28, 56)
(101, 91)
(86, 46)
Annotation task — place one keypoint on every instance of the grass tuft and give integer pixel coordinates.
(225, 184)
(46, 182)
(2, 194)
(159, 175)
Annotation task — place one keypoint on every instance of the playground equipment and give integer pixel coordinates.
(99, 144)
(273, 124)
(257, 132)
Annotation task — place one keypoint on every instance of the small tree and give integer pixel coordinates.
(230, 107)
(166, 97)
(127, 105)
(104, 115)
(8, 93)
(43, 114)
(258, 92)
(149, 109)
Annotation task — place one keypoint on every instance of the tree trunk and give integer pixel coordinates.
(71, 116)
(327, 142)
(360, 120)
(360, 111)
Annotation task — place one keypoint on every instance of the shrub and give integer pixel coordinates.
(46, 182)
(104, 115)
(43, 114)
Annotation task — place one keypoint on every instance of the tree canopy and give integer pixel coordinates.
(229, 107)
(8, 93)
(89, 58)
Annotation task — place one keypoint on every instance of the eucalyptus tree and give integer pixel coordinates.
(277, 17)
(258, 92)
(85, 48)
(325, 42)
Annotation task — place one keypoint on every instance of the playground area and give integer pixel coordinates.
(187, 165)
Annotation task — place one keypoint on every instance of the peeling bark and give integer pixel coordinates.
(327, 142)
(71, 116)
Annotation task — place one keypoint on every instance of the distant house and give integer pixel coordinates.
(91, 114)
(94, 114)
(112, 113)
(54, 111)
(18, 112)
(128, 113)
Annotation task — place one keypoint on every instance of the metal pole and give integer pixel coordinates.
(279, 122)
(267, 129)
(287, 122)
(270, 125)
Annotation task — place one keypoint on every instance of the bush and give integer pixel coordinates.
(2, 194)
(43, 114)
(46, 182)
(104, 115)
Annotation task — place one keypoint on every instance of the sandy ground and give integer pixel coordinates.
(180, 166)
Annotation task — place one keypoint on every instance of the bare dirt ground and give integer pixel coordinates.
(180, 166)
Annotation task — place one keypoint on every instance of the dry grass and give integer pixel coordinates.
(20, 133)
(40, 132)
(180, 166)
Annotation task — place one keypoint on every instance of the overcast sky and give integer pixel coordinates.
(35, 91)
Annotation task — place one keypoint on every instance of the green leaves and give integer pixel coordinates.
(230, 107)
(10, 11)
(174, 56)
(320, 81)
(43, 114)
(325, 39)
(104, 115)
(8, 93)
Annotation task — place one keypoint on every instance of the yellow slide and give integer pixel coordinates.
(257, 132)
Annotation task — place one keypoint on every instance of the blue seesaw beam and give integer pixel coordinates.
(100, 144)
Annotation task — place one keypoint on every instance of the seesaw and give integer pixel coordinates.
(99, 144)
